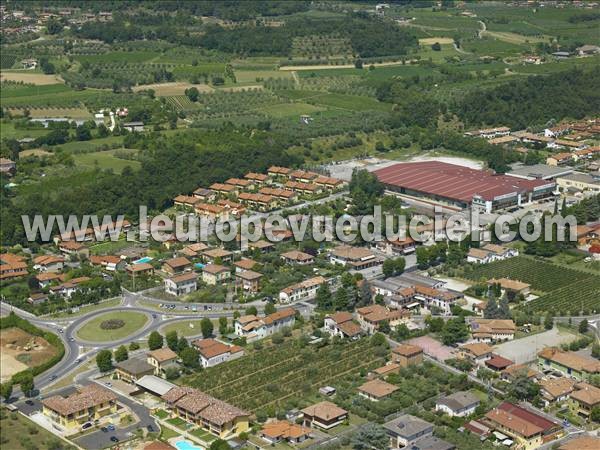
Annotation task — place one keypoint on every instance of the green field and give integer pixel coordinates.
(20, 433)
(92, 331)
(91, 145)
(110, 57)
(9, 91)
(183, 328)
(290, 109)
(106, 160)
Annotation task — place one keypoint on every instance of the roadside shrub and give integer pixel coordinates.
(112, 324)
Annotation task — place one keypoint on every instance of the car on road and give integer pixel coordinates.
(114, 439)
(150, 428)
(53, 377)
(60, 330)
(104, 429)
(108, 383)
(111, 427)
(29, 402)
(71, 339)
(78, 360)
(154, 316)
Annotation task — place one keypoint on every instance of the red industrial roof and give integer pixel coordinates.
(453, 181)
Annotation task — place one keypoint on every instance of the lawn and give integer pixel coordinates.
(92, 331)
(109, 247)
(161, 414)
(204, 435)
(88, 308)
(178, 422)
(106, 160)
(19, 433)
(8, 131)
(183, 328)
(91, 145)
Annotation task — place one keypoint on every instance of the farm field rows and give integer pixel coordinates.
(276, 375)
(563, 289)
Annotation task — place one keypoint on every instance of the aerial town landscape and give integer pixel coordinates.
(269, 224)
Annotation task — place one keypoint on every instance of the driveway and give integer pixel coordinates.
(525, 349)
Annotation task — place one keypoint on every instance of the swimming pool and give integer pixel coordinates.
(145, 259)
(199, 265)
(186, 445)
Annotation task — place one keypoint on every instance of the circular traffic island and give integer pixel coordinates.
(112, 326)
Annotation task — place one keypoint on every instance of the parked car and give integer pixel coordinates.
(150, 428)
(104, 429)
(111, 427)
(114, 439)
(86, 425)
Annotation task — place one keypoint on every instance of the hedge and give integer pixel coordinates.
(12, 320)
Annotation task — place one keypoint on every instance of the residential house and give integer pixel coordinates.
(515, 287)
(355, 258)
(458, 404)
(342, 324)
(407, 429)
(489, 253)
(302, 188)
(213, 274)
(48, 263)
(161, 359)
(492, 330)
(519, 370)
(215, 416)
(282, 430)
(45, 279)
(217, 255)
(181, 284)
(528, 429)
(397, 247)
(584, 398)
(297, 257)
(257, 178)
(304, 290)
(186, 201)
(37, 298)
(329, 182)
(233, 208)
(284, 195)
(194, 250)
(12, 266)
(260, 202)
(244, 264)
(261, 246)
(133, 369)
(559, 159)
(249, 280)
(570, 364)
(213, 352)
(7, 166)
(324, 415)
(143, 269)
(556, 389)
(428, 298)
(107, 262)
(224, 189)
(371, 317)
(68, 288)
(74, 248)
(210, 211)
(385, 370)
(278, 172)
(176, 265)
(252, 327)
(205, 195)
(90, 403)
(407, 355)
(240, 184)
(376, 389)
(303, 176)
(477, 352)
(498, 363)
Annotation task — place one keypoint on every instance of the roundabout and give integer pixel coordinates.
(112, 326)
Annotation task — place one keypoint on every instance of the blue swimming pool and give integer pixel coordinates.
(186, 445)
(199, 265)
(145, 259)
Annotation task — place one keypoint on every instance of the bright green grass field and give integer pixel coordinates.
(93, 144)
(92, 332)
(12, 91)
(105, 160)
(183, 328)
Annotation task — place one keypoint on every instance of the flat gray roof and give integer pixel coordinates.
(407, 426)
(538, 171)
(432, 443)
(582, 177)
(155, 384)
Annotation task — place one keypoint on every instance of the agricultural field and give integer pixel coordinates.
(172, 89)
(44, 96)
(322, 47)
(108, 159)
(26, 435)
(71, 113)
(29, 77)
(119, 57)
(561, 289)
(289, 373)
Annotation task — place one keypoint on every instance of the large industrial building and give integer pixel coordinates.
(459, 186)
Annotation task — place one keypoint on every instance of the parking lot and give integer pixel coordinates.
(525, 349)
